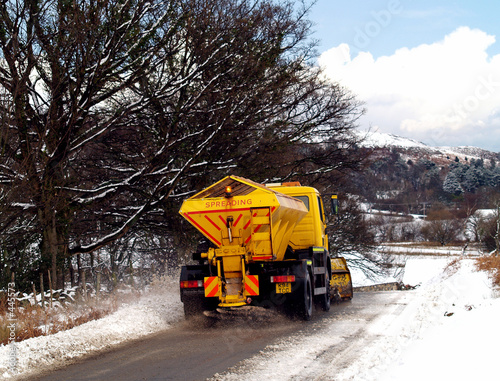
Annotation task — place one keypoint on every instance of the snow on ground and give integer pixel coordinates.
(447, 330)
(359, 278)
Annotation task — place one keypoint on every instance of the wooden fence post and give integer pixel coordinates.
(42, 291)
(34, 295)
(50, 284)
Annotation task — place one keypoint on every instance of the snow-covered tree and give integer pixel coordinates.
(62, 63)
(350, 236)
(452, 185)
(112, 111)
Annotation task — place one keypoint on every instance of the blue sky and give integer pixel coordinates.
(428, 70)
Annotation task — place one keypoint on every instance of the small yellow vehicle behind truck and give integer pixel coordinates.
(268, 247)
(341, 283)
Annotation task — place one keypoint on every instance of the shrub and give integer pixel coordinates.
(490, 264)
(32, 321)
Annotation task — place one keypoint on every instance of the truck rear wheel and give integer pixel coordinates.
(325, 300)
(306, 304)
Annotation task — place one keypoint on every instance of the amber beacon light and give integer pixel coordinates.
(228, 193)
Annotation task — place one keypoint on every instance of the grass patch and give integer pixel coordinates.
(490, 264)
(452, 267)
(32, 321)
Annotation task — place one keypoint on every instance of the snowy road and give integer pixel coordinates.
(448, 323)
(192, 351)
(321, 349)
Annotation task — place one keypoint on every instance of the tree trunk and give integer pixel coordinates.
(61, 277)
(35, 304)
(92, 267)
(50, 247)
(114, 268)
(80, 270)
(98, 284)
(51, 290)
(84, 286)
(42, 291)
(71, 272)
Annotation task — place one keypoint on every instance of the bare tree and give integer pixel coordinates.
(489, 228)
(113, 111)
(62, 62)
(442, 226)
(350, 236)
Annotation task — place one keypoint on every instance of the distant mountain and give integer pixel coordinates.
(408, 176)
(413, 149)
(380, 140)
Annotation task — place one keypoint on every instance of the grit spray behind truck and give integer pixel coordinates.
(267, 247)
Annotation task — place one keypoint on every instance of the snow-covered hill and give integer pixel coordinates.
(375, 139)
(414, 149)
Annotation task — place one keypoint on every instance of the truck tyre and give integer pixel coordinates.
(306, 304)
(325, 300)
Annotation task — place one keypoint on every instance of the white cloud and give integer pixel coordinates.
(427, 92)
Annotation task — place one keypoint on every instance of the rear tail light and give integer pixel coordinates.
(191, 283)
(283, 279)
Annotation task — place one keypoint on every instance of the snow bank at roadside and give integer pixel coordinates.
(463, 348)
(447, 331)
(156, 310)
(430, 337)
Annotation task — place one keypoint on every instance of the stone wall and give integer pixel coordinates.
(393, 286)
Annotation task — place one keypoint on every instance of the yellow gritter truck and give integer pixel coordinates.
(267, 247)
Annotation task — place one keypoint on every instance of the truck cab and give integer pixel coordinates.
(311, 230)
